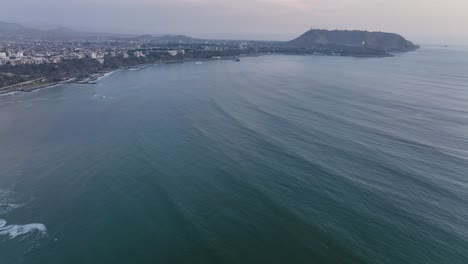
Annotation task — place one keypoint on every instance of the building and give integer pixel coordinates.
(79, 56)
(138, 54)
(56, 59)
(172, 52)
(3, 58)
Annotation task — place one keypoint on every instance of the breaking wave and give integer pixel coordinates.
(10, 201)
(13, 231)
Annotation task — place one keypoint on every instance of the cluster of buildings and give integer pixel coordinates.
(17, 53)
(43, 52)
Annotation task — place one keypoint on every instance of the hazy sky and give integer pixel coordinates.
(423, 21)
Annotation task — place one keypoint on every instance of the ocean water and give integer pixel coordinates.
(274, 159)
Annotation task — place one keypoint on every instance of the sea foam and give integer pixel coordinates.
(13, 231)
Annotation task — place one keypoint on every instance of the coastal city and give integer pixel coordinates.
(32, 59)
(26, 52)
(28, 64)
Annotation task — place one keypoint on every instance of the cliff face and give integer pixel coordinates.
(388, 42)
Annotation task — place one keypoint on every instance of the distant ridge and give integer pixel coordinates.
(6, 28)
(319, 38)
(165, 38)
(17, 31)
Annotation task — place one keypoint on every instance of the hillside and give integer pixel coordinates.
(388, 42)
(16, 31)
(165, 38)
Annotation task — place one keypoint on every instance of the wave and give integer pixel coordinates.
(10, 201)
(7, 207)
(9, 93)
(13, 231)
(106, 74)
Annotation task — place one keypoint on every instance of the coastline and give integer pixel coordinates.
(87, 80)
(97, 76)
(10, 90)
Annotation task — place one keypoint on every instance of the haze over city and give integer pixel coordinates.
(424, 21)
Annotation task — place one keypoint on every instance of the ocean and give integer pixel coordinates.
(274, 159)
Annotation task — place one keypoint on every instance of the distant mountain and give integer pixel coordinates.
(10, 27)
(16, 31)
(10, 30)
(165, 38)
(316, 38)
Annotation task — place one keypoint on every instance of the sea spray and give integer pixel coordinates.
(13, 231)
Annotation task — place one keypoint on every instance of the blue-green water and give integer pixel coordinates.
(275, 159)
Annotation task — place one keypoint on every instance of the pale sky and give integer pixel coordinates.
(422, 21)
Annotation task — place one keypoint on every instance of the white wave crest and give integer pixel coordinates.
(13, 231)
(105, 75)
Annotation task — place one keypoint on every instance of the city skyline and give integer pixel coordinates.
(428, 21)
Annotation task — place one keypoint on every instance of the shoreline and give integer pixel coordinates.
(6, 91)
(97, 76)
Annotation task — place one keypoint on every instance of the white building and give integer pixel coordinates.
(172, 52)
(138, 54)
(56, 59)
(3, 58)
(97, 55)
(79, 56)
